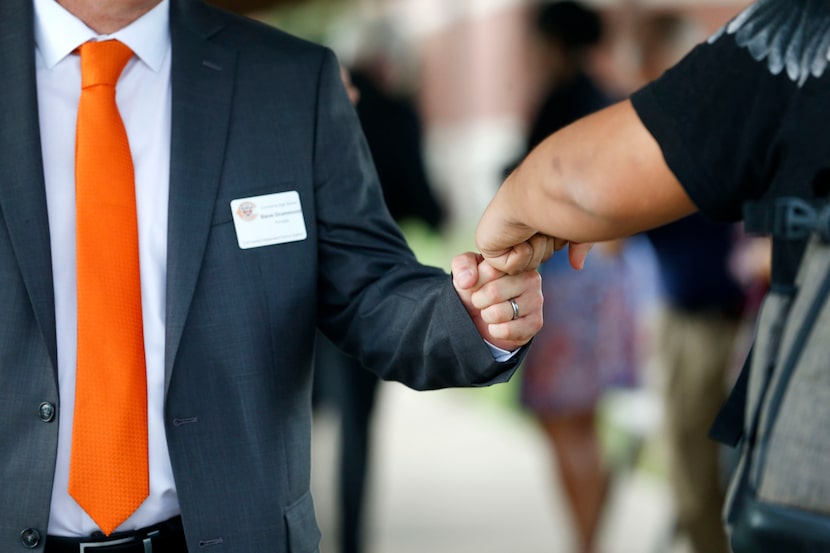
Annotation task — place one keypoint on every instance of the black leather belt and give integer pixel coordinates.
(166, 537)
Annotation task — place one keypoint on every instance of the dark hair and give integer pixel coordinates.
(573, 24)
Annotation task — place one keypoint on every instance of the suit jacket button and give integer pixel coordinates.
(47, 412)
(30, 538)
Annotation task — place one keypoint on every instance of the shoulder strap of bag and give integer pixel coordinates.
(728, 427)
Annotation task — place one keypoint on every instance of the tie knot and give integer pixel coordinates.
(102, 62)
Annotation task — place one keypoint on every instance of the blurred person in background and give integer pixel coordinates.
(392, 126)
(589, 341)
(698, 322)
(566, 32)
(383, 73)
(588, 345)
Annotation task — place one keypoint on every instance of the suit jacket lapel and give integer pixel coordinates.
(202, 76)
(22, 189)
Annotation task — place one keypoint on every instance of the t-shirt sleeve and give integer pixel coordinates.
(716, 115)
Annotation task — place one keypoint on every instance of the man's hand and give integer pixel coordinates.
(486, 293)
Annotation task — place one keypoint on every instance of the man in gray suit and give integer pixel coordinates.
(224, 117)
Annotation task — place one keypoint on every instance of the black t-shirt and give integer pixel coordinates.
(746, 115)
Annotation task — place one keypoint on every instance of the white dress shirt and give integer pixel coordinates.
(144, 100)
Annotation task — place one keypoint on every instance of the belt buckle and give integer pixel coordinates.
(84, 546)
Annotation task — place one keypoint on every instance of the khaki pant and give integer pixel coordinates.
(695, 351)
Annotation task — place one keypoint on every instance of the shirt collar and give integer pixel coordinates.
(58, 33)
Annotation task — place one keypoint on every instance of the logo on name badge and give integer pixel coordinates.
(247, 211)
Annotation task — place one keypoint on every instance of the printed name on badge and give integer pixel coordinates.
(269, 219)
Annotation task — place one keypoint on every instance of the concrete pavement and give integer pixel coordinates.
(454, 472)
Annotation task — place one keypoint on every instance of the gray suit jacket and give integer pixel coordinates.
(254, 112)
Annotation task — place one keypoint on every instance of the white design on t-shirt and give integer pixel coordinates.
(792, 35)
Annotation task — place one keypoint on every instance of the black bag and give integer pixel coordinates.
(779, 497)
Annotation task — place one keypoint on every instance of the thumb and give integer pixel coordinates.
(464, 269)
(577, 254)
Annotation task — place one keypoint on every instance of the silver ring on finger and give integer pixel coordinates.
(515, 307)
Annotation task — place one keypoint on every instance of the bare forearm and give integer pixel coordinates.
(601, 178)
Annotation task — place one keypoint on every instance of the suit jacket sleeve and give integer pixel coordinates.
(402, 320)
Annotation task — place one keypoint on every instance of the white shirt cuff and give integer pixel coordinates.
(501, 355)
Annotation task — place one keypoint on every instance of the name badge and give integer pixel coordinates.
(269, 219)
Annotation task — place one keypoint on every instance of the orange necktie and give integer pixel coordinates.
(108, 474)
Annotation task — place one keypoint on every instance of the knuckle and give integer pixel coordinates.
(499, 330)
(490, 315)
(489, 293)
